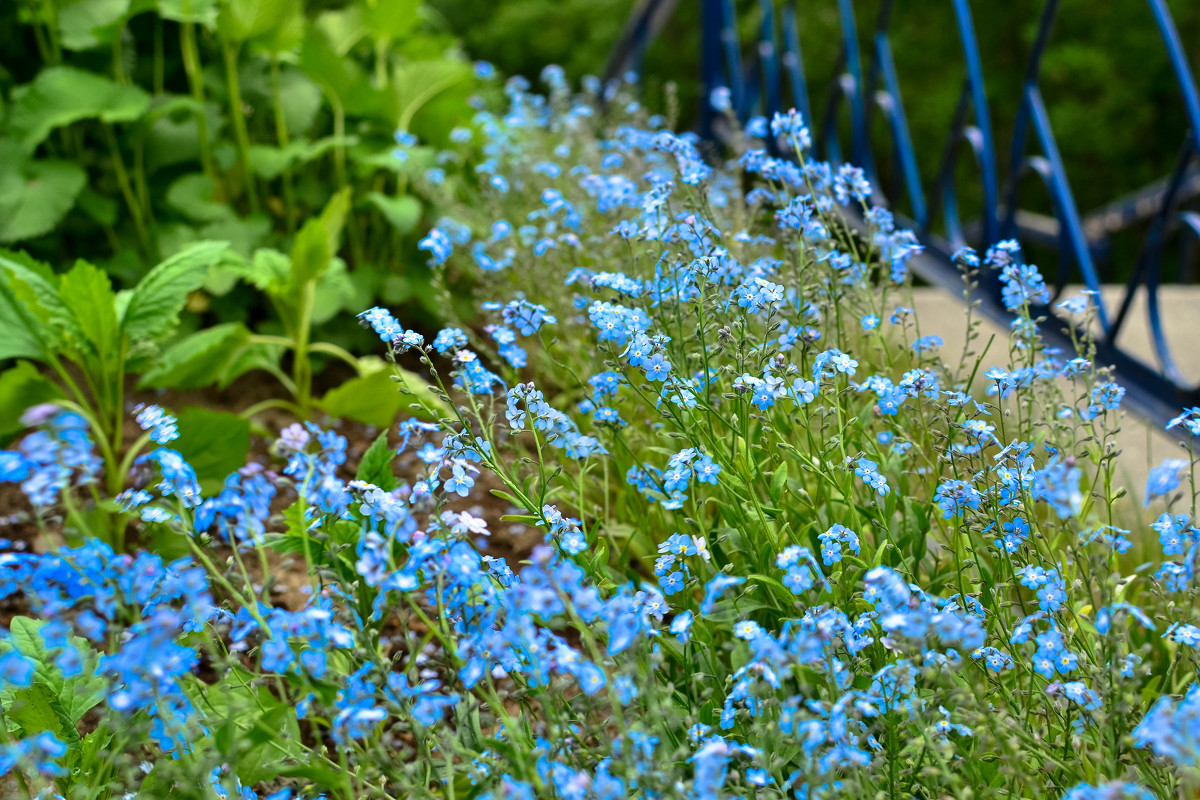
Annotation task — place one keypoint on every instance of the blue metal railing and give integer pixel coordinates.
(861, 92)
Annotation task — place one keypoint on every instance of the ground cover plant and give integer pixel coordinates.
(789, 548)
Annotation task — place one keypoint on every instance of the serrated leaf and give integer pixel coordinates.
(76, 694)
(22, 387)
(36, 709)
(215, 443)
(61, 95)
(197, 360)
(31, 311)
(267, 270)
(402, 213)
(155, 303)
(376, 464)
(87, 291)
(22, 334)
(84, 24)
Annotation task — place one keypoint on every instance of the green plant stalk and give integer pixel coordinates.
(191, 65)
(135, 209)
(281, 135)
(301, 364)
(239, 123)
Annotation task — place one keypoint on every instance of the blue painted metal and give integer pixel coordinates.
(864, 95)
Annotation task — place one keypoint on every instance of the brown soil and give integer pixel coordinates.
(508, 540)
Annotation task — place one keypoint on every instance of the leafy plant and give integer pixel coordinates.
(92, 339)
(219, 120)
(305, 287)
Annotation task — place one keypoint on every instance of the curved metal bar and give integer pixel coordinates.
(768, 58)
(794, 62)
(986, 150)
(859, 152)
(1067, 213)
(1149, 261)
(906, 157)
(733, 55)
(1179, 64)
(1033, 148)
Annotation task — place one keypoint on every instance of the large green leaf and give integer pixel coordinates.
(335, 291)
(375, 398)
(83, 24)
(203, 12)
(402, 212)
(215, 443)
(269, 162)
(390, 19)
(194, 196)
(35, 195)
(61, 95)
(33, 317)
(241, 20)
(22, 334)
(340, 78)
(154, 304)
(87, 291)
(197, 360)
(318, 241)
(417, 82)
(76, 694)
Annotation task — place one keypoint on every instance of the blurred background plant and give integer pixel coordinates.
(131, 128)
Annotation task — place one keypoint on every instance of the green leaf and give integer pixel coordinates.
(155, 303)
(390, 19)
(270, 162)
(241, 20)
(318, 241)
(203, 12)
(253, 356)
(335, 292)
(194, 196)
(22, 334)
(197, 360)
(61, 95)
(36, 709)
(339, 78)
(376, 464)
(373, 399)
(22, 387)
(84, 24)
(402, 212)
(215, 443)
(778, 482)
(35, 195)
(417, 82)
(87, 291)
(77, 694)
